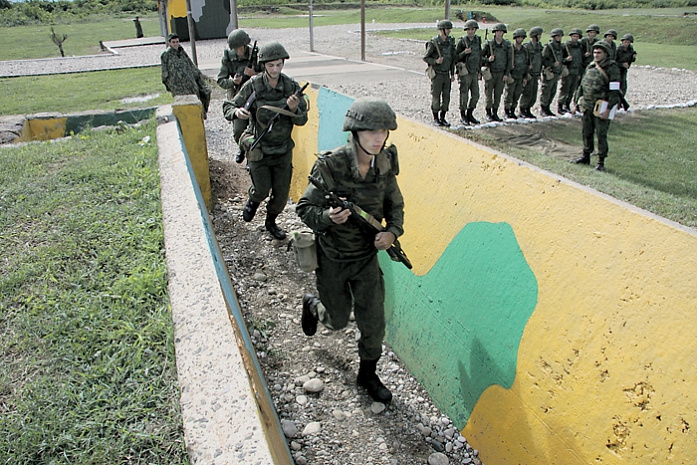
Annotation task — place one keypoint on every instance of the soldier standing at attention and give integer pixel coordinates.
(236, 67)
(574, 62)
(610, 37)
(349, 274)
(527, 100)
(519, 74)
(180, 76)
(552, 60)
(624, 57)
(600, 83)
(440, 54)
(497, 55)
(270, 163)
(587, 44)
(469, 57)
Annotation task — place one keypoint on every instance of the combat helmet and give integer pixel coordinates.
(576, 31)
(536, 31)
(611, 32)
(556, 32)
(593, 27)
(520, 32)
(272, 51)
(499, 27)
(471, 24)
(368, 114)
(238, 38)
(444, 24)
(604, 45)
(628, 37)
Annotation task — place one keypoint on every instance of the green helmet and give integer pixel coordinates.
(520, 32)
(611, 32)
(556, 32)
(604, 45)
(272, 51)
(536, 31)
(500, 27)
(471, 24)
(593, 27)
(628, 37)
(576, 31)
(238, 38)
(444, 24)
(370, 113)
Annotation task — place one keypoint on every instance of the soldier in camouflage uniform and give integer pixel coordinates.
(271, 162)
(625, 56)
(468, 54)
(574, 63)
(440, 54)
(519, 74)
(497, 55)
(181, 76)
(529, 96)
(236, 67)
(600, 82)
(587, 45)
(610, 37)
(349, 275)
(553, 56)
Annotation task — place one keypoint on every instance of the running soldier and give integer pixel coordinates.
(440, 55)
(469, 61)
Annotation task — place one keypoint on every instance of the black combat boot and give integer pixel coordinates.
(488, 115)
(463, 118)
(308, 320)
(442, 119)
(436, 119)
(239, 157)
(368, 379)
(584, 160)
(250, 209)
(601, 164)
(470, 116)
(546, 111)
(529, 114)
(495, 115)
(560, 109)
(273, 228)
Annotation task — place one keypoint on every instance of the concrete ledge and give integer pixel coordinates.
(226, 408)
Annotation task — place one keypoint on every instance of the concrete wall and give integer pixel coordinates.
(552, 323)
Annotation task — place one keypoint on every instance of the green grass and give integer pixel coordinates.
(652, 162)
(103, 90)
(86, 341)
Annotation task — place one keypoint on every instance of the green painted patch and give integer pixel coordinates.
(454, 328)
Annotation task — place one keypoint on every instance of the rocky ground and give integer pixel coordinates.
(327, 419)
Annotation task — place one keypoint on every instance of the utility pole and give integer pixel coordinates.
(312, 42)
(233, 14)
(192, 33)
(362, 30)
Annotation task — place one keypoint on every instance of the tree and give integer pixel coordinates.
(58, 40)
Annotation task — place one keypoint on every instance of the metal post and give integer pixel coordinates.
(192, 33)
(233, 14)
(362, 30)
(312, 41)
(447, 9)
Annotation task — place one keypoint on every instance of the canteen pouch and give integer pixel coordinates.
(564, 71)
(486, 73)
(303, 243)
(548, 73)
(431, 73)
(461, 69)
(246, 141)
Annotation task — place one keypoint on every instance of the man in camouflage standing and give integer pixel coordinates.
(574, 63)
(625, 56)
(348, 274)
(497, 55)
(468, 54)
(601, 83)
(440, 54)
(529, 96)
(180, 76)
(519, 74)
(553, 56)
(610, 37)
(587, 42)
(236, 67)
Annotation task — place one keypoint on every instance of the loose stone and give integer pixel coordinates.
(438, 459)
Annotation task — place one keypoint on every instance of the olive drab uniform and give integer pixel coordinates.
(441, 84)
(552, 53)
(587, 48)
(469, 83)
(625, 55)
(181, 76)
(600, 82)
(519, 75)
(570, 83)
(529, 96)
(500, 67)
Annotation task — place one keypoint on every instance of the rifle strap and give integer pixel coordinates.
(437, 48)
(280, 111)
(602, 71)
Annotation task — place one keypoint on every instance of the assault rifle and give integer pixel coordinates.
(273, 120)
(252, 63)
(395, 251)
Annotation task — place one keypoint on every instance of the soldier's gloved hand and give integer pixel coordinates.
(384, 239)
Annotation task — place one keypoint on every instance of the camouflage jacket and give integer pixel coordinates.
(595, 86)
(278, 141)
(587, 47)
(502, 53)
(625, 55)
(535, 54)
(377, 194)
(447, 50)
(553, 53)
(521, 61)
(179, 74)
(576, 64)
(472, 60)
(230, 66)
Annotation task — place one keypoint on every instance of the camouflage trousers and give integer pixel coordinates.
(592, 125)
(440, 92)
(514, 89)
(568, 88)
(529, 95)
(493, 88)
(356, 285)
(549, 90)
(469, 86)
(271, 174)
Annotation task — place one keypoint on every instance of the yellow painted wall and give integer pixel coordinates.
(189, 112)
(607, 367)
(44, 128)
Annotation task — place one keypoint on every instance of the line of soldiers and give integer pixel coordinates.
(516, 67)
